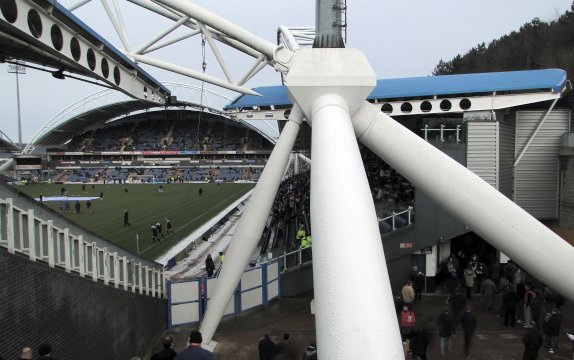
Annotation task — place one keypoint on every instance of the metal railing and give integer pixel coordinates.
(23, 232)
(396, 220)
(299, 256)
(442, 134)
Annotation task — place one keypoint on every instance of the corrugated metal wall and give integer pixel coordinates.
(536, 175)
(482, 150)
(506, 159)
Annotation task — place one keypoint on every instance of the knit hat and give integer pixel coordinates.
(195, 337)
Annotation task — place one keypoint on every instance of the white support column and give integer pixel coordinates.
(10, 225)
(31, 235)
(250, 226)
(341, 209)
(147, 280)
(67, 252)
(50, 240)
(116, 270)
(106, 265)
(125, 272)
(140, 279)
(95, 268)
(20, 245)
(134, 281)
(163, 285)
(360, 323)
(81, 255)
(490, 214)
(152, 286)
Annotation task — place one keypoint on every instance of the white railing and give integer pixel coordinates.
(442, 134)
(398, 219)
(299, 256)
(23, 232)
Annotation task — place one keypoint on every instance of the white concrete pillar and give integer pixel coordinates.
(355, 317)
(466, 196)
(31, 235)
(250, 226)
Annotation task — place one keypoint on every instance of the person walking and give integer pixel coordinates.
(167, 353)
(126, 218)
(509, 301)
(407, 324)
(194, 351)
(469, 276)
(445, 331)
(209, 265)
(266, 348)
(457, 302)
(408, 294)
(532, 341)
(551, 328)
(418, 281)
(468, 321)
(168, 226)
(419, 344)
(77, 207)
(154, 236)
(488, 291)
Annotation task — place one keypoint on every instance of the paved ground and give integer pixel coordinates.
(238, 337)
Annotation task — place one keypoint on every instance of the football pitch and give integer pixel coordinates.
(180, 203)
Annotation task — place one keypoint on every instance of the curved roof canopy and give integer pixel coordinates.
(553, 80)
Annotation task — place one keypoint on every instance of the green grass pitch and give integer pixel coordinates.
(180, 203)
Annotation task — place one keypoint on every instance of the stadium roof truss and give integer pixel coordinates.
(45, 33)
(427, 95)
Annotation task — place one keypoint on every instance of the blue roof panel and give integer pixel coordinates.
(550, 79)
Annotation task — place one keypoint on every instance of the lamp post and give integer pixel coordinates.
(18, 67)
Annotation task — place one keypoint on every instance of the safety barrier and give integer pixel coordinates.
(188, 299)
(442, 134)
(23, 232)
(397, 220)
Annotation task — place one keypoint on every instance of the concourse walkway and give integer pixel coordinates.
(238, 337)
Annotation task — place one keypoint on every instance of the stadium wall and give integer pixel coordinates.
(566, 211)
(24, 201)
(432, 223)
(79, 318)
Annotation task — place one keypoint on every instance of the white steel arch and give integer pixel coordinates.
(196, 22)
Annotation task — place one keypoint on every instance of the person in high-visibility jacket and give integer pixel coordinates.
(300, 233)
(306, 242)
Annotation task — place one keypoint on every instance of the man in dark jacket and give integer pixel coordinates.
(468, 321)
(532, 341)
(551, 328)
(209, 265)
(419, 343)
(167, 353)
(445, 331)
(509, 301)
(266, 348)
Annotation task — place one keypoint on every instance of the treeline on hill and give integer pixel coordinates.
(537, 45)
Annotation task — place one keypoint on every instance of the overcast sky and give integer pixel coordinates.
(399, 38)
